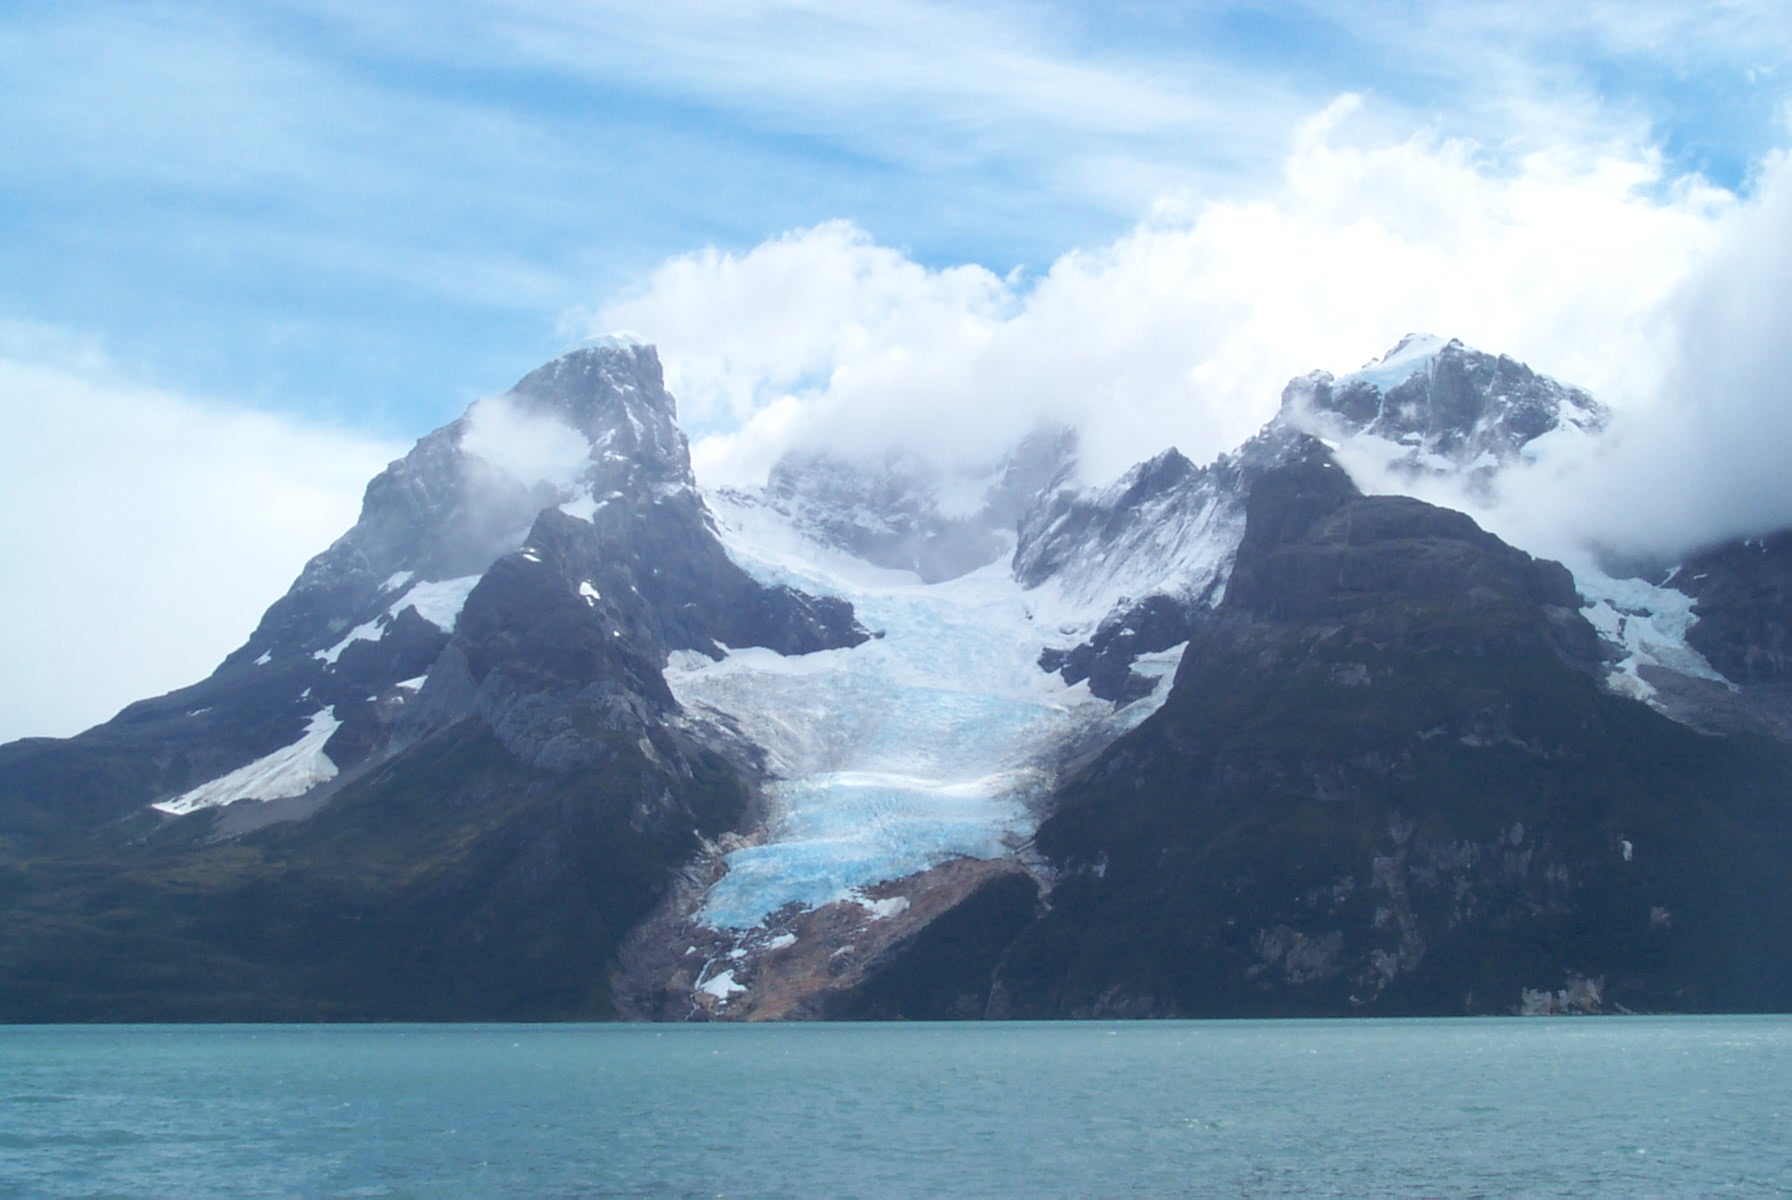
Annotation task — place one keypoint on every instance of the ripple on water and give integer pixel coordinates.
(1593, 1107)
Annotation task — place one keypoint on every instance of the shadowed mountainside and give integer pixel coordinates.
(1386, 781)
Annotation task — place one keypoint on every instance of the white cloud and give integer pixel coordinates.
(145, 532)
(1723, 434)
(1184, 330)
(531, 449)
(1701, 455)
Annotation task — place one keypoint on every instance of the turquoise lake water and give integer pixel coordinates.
(1623, 1107)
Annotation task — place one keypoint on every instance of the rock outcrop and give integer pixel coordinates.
(1387, 780)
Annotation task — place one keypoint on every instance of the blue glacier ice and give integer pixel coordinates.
(935, 740)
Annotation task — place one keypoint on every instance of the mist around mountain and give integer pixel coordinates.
(553, 732)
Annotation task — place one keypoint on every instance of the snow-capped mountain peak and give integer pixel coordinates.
(616, 339)
(581, 466)
(903, 513)
(1440, 407)
(764, 752)
(1411, 354)
(612, 392)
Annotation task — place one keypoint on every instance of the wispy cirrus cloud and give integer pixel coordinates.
(360, 217)
(383, 208)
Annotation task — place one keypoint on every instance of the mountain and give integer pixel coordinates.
(1387, 780)
(553, 732)
(445, 774)
(1440, 407)
(1429, 406)
(903, 514)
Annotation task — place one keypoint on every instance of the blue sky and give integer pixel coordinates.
(372, 219)
(251, 251)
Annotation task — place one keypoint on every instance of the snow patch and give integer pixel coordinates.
(721, 985)
(397, 580)
(1160, 668)
(1647, 622)
(267, 656)
(584, 507)
(414, 684)
(371, 631)
(439, 603)
(883, 909)
(590, 593)
(290, 771)
(1414, 354)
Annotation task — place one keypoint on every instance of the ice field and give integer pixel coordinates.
(932, 741)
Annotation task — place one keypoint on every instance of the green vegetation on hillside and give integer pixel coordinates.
(453, 883)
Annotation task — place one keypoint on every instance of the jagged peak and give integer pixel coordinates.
(1164, 469)
(1411, 354)
(610, 366)
(616, 339)
(1446, 405)
(611, 391)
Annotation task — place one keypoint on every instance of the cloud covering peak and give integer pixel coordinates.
(1183, 330)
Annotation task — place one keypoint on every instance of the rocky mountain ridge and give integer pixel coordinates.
(550, 732)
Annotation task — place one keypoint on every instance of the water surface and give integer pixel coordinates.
(1586, 1107)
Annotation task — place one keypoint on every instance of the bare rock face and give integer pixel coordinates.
(1316, 550)
(925, 947)
(1741, 594)
(614, 394)
(506, 787)
(446, 776)
(1744, 594)
(1385, 781)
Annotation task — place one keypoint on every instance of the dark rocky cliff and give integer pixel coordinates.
(1386, 781)
(488, 835)
(1744, 594)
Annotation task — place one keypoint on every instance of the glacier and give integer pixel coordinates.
(1647, 624)
(936, 739)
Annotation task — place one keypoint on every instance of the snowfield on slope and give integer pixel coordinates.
(1413, 354)
(935, 740)
(1647, 623)
(290, 771)
(439, 603)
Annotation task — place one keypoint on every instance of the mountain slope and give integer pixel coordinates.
(549, 733)
(408, 795)
(1387, 780)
